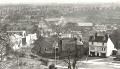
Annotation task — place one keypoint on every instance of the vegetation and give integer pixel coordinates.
(21, 20)
(4, 43)
(38, 44)
(116, 38)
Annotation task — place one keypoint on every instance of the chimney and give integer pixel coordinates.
(96, 34)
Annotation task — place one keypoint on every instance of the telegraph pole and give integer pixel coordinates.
(55, 45)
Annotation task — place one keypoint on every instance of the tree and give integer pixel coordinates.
(4, 44)
(34, 29)
(5, 28)
(37, 45)
(72, 57)
(115, 37)
(14, 17)
(70, 26)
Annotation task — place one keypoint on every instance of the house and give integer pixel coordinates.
(101, 46)
(30, 38)
(16, 41)
(17, 38)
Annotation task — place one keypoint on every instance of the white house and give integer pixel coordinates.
(101, 46)
(16, 41)
(17, 38)
(30, 38)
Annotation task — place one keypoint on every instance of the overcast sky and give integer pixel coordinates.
(56, 1)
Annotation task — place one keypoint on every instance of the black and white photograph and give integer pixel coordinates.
(59, 34)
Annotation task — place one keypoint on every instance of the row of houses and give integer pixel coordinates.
(69, 25)
(105, 27)
(49, 27)
(99, 45)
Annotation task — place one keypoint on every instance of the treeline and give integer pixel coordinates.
(91, 13)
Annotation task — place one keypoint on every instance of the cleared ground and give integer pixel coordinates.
(91, 63)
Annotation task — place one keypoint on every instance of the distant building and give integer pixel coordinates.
(101, 46)
(85, 24)
(71, 34)
(100, 28)
(30, 38)
(68, 35)
(77, 34)
(44, 28)
(21, 33)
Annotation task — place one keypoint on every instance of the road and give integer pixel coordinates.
(100, 63)
(103, 63)
(92, 63)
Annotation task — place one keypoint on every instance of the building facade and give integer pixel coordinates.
(100, 46)
(17, 39)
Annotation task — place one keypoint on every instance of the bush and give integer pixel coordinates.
(33, 56)
(22, 63)
(44, 62)
(19, 54)
(52, 66)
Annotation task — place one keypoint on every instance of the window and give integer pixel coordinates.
(92, 48)
(103, 49)
(103, 43)
(97, 43)
(56, 49)
(92, 43)
(45, 49)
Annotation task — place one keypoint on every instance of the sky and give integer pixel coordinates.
(55, 1)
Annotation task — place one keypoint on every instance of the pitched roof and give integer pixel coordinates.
(98, 38)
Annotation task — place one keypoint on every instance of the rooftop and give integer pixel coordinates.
(98, 38)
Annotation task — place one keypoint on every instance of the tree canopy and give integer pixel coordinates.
(115, 37)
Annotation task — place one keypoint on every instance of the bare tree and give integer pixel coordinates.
(71, 59)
